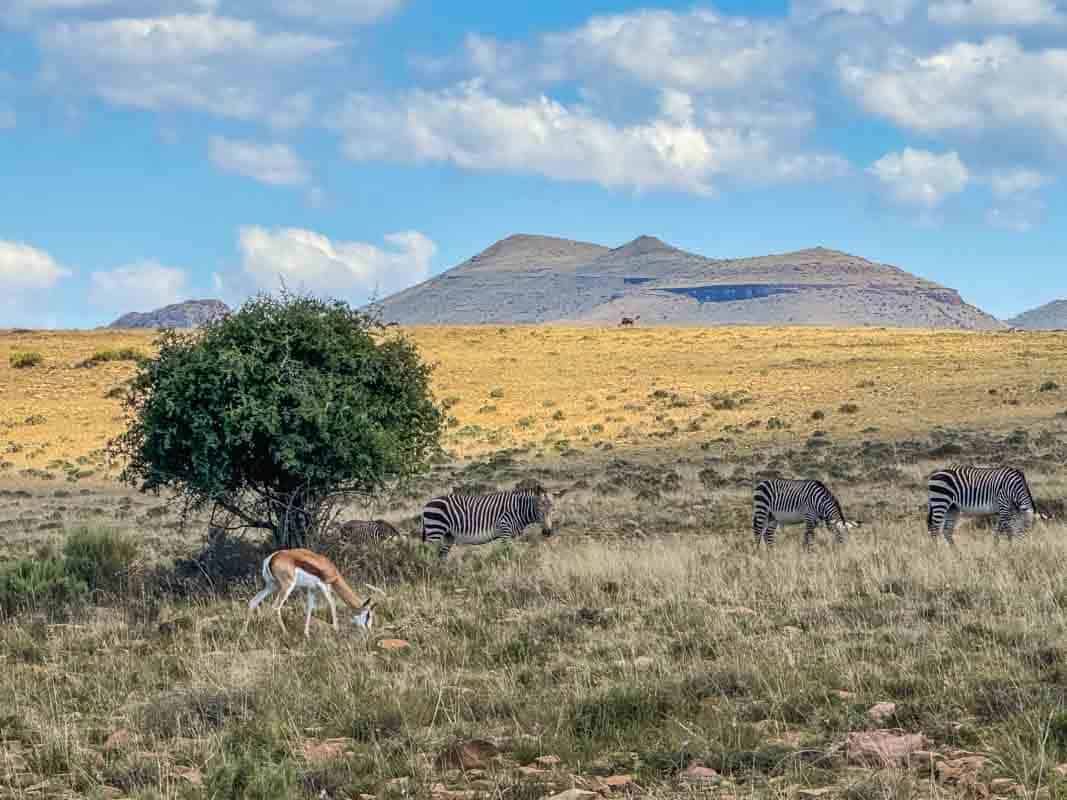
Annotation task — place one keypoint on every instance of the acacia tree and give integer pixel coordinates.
(273, 411)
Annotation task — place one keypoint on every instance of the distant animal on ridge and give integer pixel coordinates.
(787, 502)
(979, 490)
(479, 519)
(288, 570)
(629, 321)
(366, 532)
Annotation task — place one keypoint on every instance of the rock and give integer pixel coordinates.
(326, 750)
(394, 644)
(574, 794)
(814, 794)
(531, 771)
(880, 712)
(698, 773)
(619, 781)
(884, 748)
(118, 740)
(962, 769)
(467, 755)
(547, 761)
(190, 314)
(843, 695)
(924, 759)
(1006, 786)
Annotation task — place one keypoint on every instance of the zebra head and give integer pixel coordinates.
(545, 503)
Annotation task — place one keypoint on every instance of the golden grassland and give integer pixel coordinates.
(550, 389)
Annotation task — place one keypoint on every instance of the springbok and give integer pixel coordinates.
(288, 570)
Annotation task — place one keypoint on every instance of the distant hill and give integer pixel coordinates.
(189, 314)
(533, 279)
(1051, 316)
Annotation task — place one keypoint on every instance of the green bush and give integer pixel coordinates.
(122, 354)
(26, 359)
(38, 583)
(99, 558)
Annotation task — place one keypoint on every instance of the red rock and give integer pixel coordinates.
(698, 773)
(326, 750)
(883, 748)
(880, 712)
(547, 761)
(394, 644)
(468, 755)
(619, 781)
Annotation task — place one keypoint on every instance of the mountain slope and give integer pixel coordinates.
(1051, 316)
(189, 314)
(532, 279)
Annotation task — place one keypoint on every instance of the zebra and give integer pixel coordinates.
(788, 501)
(629, 321)
(479, 519)
(367, 532)
(979, 490)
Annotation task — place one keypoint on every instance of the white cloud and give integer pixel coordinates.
(995, 12)
(919, 177)
(197, 62)
(24, 267)
(274, 164)
(355, 11)
(142, 286)
(472, 129)
(8, 119)
(307, 260)
(968, 88)
(891, 11)
(1008, 182)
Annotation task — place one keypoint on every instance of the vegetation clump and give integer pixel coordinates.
(25, 359)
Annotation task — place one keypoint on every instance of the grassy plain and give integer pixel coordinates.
(649, 635)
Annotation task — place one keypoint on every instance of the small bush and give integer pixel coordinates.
(818, 414)
(38, 583)
(26, 359)
(558, 415)
(99, 558)
(1049, 386)
(849, 408)
(497, 393)
(103, 356)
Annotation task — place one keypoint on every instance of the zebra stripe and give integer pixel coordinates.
(367, 532)
(979, 490)
(787, 502)
(479, 519)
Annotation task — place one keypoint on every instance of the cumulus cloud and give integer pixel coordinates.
(24, 267)
(996, 12)
(472, 129)
(273, 164)
(141, 286)
(355, 11)
(891, 11)
(195, 62)
(967, 87)
(919, 177)
(305, 260)
(1009, 182)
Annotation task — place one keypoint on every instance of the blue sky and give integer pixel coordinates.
(157, 150)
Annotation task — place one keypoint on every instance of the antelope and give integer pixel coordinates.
(626, 321)
(302, 569)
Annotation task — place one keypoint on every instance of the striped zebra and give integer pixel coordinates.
(979, 490)
(479, 519)
(787, 502)
(367, 532)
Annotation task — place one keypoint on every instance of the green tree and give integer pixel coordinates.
(275, 410)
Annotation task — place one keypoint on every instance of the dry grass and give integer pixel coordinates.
(556, 389)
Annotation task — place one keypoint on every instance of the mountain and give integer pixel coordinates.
(189, 314)
(534, 279)
(1051, 316)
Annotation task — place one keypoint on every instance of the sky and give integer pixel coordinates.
(153, 151)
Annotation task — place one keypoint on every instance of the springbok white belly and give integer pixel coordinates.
(305, 580)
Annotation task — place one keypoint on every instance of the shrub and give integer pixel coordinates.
(849, 408)
(270, 413)
(1049, 386)
(99, 558)
(818, 414)
(26, 359)
(38, 583)
(103, 356)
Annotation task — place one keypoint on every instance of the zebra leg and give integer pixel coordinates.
(771, 531)
(934, 522)
(948, 524)
(809, 533)
(759, 526)
(444, 546)
(1005, 525)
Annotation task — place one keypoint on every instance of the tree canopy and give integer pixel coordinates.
(271, 411)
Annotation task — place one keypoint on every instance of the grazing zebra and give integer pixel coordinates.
(367, 532)
(787, 502)
(979, 490)
(479, 519)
